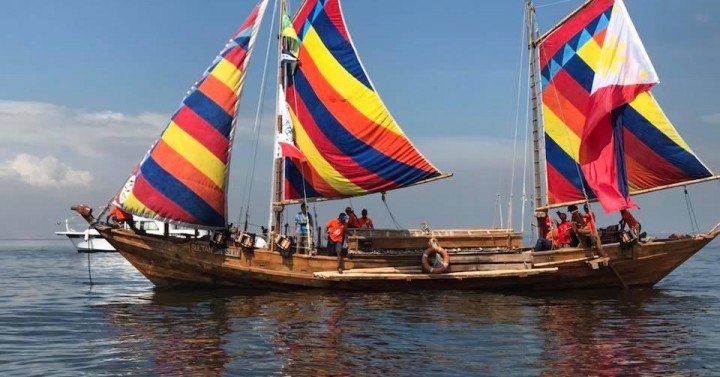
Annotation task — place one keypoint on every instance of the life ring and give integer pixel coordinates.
(433, 269)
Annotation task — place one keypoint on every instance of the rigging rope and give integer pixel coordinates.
(89, 273)
(551, 4)
(517, 123)
(397, 225)
(258, 119)
(691, 212)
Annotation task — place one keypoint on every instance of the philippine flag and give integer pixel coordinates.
(623, 71)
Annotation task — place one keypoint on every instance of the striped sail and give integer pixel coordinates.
(654, 154)
(183, 178)
(351, 144)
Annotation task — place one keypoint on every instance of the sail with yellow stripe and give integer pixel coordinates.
(183, 177)
(350, 142)
(649, 152)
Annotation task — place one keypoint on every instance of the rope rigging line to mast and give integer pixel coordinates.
(517, 121)
(691, 211)
(397, 225)
(258, 120)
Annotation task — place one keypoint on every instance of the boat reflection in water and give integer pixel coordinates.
(618, 333)
(215, 333)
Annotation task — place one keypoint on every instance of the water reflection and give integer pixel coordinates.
(215, 333)
(611, 333)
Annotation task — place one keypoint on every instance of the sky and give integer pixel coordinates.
(87, 86)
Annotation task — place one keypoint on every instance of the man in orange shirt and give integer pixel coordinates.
(364, 221)
(119, 217)
(335, 229)
(564, 229)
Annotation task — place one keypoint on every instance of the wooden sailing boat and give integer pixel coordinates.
(336, 139)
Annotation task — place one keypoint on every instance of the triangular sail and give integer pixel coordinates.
(183, 178)
(351, 143)
(654, 153)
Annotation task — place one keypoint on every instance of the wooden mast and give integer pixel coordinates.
(530, 11)
(277, 205)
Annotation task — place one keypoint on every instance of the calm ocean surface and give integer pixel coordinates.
(54, 323)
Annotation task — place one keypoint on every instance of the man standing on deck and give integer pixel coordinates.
(336, 236)
(301, 232)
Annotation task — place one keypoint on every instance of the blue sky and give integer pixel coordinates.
(88, 85)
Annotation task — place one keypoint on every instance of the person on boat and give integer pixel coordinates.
(580, 232)
(352, 219)
(335, 229)
(564, 230)
(119, 217)
(364, 221)
(629, 220)
(589, 218)
(554, 238)
(301, 232)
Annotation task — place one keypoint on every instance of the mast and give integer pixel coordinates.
(277, 206)
(530, 10)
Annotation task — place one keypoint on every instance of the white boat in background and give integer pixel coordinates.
(88, 240)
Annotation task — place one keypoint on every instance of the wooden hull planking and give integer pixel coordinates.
(172, 262)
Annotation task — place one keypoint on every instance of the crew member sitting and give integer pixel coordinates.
(629, 220)
(118, 217)
(579, 227)
(564, 230)
(589, 219)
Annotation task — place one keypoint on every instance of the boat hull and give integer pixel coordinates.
(174, 262)
(88, 243)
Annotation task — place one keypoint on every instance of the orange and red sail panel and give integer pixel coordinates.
(183, 178)
(604, 132)
(351, 144)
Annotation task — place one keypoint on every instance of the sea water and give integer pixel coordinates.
(54, 322)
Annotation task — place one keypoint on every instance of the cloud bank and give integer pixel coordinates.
(44, 172)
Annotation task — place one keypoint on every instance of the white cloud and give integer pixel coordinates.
(712, 118)
(43, 172)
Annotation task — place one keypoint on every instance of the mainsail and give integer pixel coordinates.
(351, 144)
(651, 154)
(183, 178)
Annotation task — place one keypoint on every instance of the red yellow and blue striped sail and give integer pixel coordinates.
(654, 154)
(183, 178)
(351, 143)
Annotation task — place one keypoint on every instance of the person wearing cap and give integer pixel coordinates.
(335, 229)
(352, 219)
